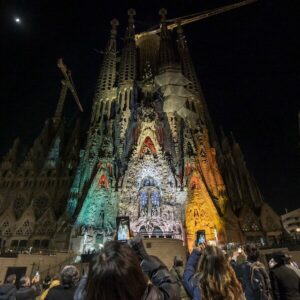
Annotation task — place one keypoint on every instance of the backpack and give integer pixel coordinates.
(260, 281)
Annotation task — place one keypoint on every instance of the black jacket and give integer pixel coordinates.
(285, 283)
(28, 293)
(61, 293)
(163, 285)
(8, 291)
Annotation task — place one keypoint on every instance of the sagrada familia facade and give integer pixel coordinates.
(150, 153)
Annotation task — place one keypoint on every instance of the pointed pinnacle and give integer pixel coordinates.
(163, 12)
(131, 13)
(114, 23)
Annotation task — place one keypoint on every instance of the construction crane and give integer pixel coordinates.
(173, 23)
(67, 84)
(68, 81)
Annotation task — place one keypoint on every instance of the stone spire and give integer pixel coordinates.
(107, 77)
(127, 76)
(166, 55)
(9, 160)
(188, 68)
(127, 72)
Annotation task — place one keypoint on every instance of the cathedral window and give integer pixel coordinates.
(7, 232)
(39, 206)
(149, 198)
(103, 183)
(19, 207)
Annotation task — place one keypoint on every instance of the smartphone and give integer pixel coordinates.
(123, 228)
(200, 238)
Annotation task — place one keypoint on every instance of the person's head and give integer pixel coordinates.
(11, 279)
(251, 252)
(217, 278)
(25, 281)
(272, 263)
(47, 279)
(69, 276)
(115, 273)
(178, 261)
(279, 257)
(56, 277)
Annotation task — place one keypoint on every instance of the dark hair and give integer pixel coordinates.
(69, 276)
(115, 274)
(251, 252)
(11, 278)
(217, 278)
(279, 257)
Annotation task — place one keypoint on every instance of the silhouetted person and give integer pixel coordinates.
(8, 289)
(29, 290)
(122, 272)
(177, 271)
(208, 275)
(254, 276)
(285, 281)
(69, 279)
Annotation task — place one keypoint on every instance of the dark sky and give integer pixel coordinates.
(246, 61)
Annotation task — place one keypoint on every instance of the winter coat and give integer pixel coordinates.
(190, 281)
(243, 272)
(163, 285)
(177, 272)
(8, 291)
(28, 293)
(52, 284)
(254, 290)
(285, 283)
(61, 293)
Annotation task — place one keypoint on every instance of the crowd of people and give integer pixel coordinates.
(125, 271)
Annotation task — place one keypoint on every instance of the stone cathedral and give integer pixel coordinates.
(150, 153)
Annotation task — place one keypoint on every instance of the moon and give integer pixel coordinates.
(17, 20)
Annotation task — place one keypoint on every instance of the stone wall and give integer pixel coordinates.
(43, 263)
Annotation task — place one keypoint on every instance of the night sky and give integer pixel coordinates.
(246, 60)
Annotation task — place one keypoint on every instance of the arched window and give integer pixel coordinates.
(19, 207)
(157, 231)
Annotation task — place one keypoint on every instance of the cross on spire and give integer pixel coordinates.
(131, 13)
(114, 23)
(163, 12)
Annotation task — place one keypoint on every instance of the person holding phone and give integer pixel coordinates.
(208, 275)
(125, 271)
(29, 290)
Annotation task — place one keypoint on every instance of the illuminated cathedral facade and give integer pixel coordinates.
(151, 153)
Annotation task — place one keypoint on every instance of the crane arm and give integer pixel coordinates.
(69, 81)
(196, 17)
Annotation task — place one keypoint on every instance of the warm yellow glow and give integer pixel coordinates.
(201, 213)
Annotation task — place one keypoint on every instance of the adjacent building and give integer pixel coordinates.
(291, 221)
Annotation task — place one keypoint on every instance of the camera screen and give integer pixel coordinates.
(200, 240)
(123, 229)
